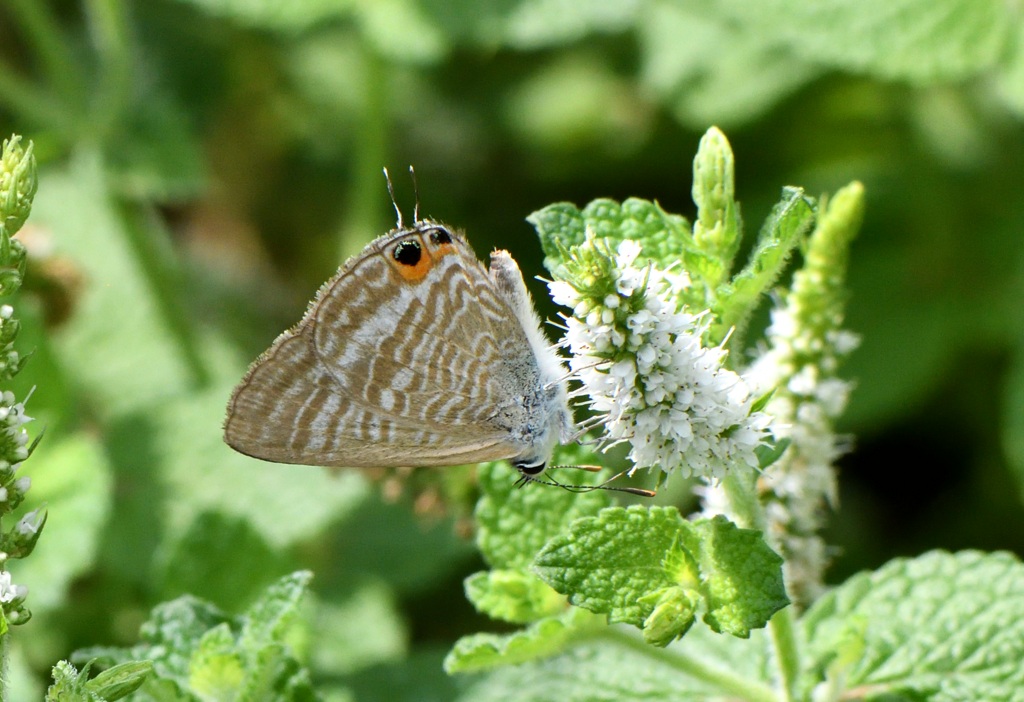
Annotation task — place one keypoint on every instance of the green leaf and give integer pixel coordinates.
(267, 620)
(514, 596)
(942, 626)
(609, 665)
(532, 24)
(157, 156)
(664, 237)
(627, 563)
(124, 356)
(514, 523)
(113, 684)
(1009, 79)
(69, 685)
(541, 639)
(197, 652)
(401, 30)
(782, 231)
(276, 16)
(216, 667)
(725, 73)
(921, 41)
(211, 561)
(364, 629)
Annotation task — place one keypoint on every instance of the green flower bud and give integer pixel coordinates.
(17, 184)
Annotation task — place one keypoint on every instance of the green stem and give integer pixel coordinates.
(30, 103)
(4, 649)
(51, 46)
(747, 509)
(730, 683)
(366, 194)
(787, 652)
(108, 23)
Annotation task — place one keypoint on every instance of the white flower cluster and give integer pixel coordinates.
(651, 381)
(800, 363)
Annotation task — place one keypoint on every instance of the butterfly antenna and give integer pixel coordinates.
(640, 492)
(416, 194)
(391, 192)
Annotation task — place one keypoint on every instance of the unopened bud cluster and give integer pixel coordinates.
(17, 189)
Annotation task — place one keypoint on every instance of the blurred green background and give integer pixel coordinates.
(206, 164)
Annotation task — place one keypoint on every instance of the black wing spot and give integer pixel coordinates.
(408, 253)
(440, 236)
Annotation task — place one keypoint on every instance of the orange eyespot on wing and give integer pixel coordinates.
(414, 257)
(411, 259)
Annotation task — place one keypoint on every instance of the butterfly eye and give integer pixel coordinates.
(530, 469)
(408, 253)
(440, 236)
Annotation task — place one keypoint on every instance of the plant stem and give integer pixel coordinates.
(743, 501)
(366, 194)
(51, 44)
(728, 682)
(787, 653)
(4, 640)
(30, 103)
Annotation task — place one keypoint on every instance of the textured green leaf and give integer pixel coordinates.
(197, 652)
(516, 596)
(615, 667)
(664, 237)
(627, 562)
(216, 668)
(514, 523)
(916, 40)
(741, 577)
(68, 685)
(782, 231)
(541, 639)
(268, 618)
(167, 638)
(940, 627)
(606, 563)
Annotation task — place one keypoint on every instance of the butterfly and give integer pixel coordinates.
(413, 354)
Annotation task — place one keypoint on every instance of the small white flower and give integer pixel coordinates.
(21, 485)
(8, 590)
(30, 523)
